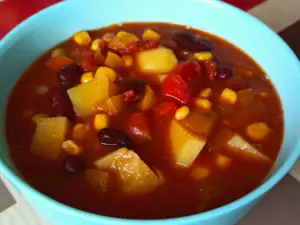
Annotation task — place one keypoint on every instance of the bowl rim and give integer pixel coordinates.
(248, 198)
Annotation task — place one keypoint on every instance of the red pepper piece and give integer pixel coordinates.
(211, 69)
(165, 109)
(88, 62)
(149, 44)
(138, 47)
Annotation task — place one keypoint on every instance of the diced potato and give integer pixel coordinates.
(228, 96)
(159, 60)
(200, 172)
(113, 60)
(82, 38)
(50, 133)
(200, 123)
(71, 147)
(37, 117)
(87, 97)
(134, 175)
(149, 99)
(222, 161)
(258, 131)
(205, 93)
(185, 145)
(98, 179)
(114, 105)
(150, 34)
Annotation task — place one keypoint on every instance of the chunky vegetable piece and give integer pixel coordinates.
(160, 60)
(113, 105)
(258, 131)
(149, 99)
(48, 137)
(99, 179)
(185, 146)
(87, 97)
(135, 176)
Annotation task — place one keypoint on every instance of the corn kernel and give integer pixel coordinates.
(36, 118)
(96, 44)
(258, 131)
(127, 37)
(108, 37)
(203, 56)
(113, 60)
(203, 103)
(150, 35)
(128, 60)
(228, 96)
(205, 93)
(79, 132)
(82, 38)
(200, 172)
(86, 77)
(106, 71)
(222, 161)
(121, 33)
(71, 147)
(182, 112)
(101, 121)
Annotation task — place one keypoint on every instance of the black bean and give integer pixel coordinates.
(61, 103)
(69, 76)
(114, 137)
(74, 164)
(224, 72)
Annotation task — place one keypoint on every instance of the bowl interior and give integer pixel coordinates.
(41, 32)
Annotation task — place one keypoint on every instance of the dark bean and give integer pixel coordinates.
(224, 72)
(69, 76)
(61, 103)
(168, 43)
(74, 164)
(190, 42)
(113, 137)
(237, 83)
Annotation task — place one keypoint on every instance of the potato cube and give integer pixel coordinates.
(185, 145)
(86, 97)
(134, 175)
(159, 60)
(98, 179)
(149, 99)
(49, 135)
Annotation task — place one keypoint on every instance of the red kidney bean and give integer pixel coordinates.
(114, 137)
(224, 72)
(69, 76)
(74, 164)
(237, 83)
(190, 42)
(61, 103)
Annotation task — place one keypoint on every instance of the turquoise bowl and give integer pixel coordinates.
(47, 28)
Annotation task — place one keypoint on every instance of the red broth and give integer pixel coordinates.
(219, 174)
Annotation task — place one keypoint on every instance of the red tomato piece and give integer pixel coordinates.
(165, 109)
(58, 62)
(88, 62)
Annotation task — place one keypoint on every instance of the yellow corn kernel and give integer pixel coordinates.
(182, 112)
(106, 71)
(228, 96)
(205, 93)
(222, 161)
(258, 131)
(203, 103)
(86, 77)
(101, 121)
(121, 33)
(79, 132)
(96, 44)
(39, 116)
(150, 35)
(108, 37)
(200, 172)
(203, 56)
(128, 60)
(130, 37)
(113, 60)
(71, 147)
(82, 38)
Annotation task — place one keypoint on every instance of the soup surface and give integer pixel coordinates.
(144, 120)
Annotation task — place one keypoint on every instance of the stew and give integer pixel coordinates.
(144, 120)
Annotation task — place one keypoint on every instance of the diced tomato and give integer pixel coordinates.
(58, 62)
(88, 62)
(211, 69)
(129, 96)
(137, 128)
(181, 82)
(138, 47)
(149, 44)
(165, 109)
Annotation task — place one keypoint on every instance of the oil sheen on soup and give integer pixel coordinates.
(144, 121)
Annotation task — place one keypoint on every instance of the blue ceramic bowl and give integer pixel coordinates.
(44, 30)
